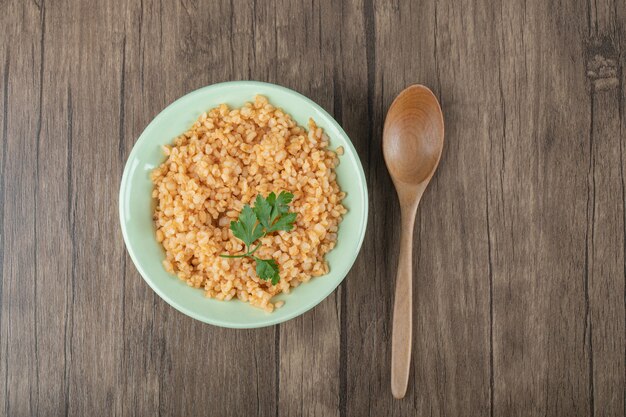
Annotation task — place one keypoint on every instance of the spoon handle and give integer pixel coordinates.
(403, 310)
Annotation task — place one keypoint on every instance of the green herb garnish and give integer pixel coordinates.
(268, 215)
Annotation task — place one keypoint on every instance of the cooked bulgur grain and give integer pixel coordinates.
(224, 161)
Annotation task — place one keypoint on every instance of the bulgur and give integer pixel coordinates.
(224, 161)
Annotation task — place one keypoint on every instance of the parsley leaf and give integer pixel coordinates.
(280, 206)
(246, 228)
(267, 269)
(283, 223)
(269, 215)
(263, 210)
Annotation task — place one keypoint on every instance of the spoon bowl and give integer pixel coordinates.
(413, 135)
(412, 146)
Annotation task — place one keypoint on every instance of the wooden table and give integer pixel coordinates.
(519, 292)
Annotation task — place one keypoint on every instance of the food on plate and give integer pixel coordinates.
(251, 157)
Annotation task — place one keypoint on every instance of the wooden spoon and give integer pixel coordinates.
(412, 145)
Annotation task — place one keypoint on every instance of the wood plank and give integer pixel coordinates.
(606, 283)
(95, 332)
(361, 346)
(352, 110)
(538, 213)
(4, 49)
(605, 291)
(22, 130)
(55, 236)
(140, 99)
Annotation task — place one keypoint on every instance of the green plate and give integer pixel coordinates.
(136, 205)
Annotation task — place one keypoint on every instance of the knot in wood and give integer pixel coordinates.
(603, 72)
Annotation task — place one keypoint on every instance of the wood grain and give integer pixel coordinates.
(519, 294)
